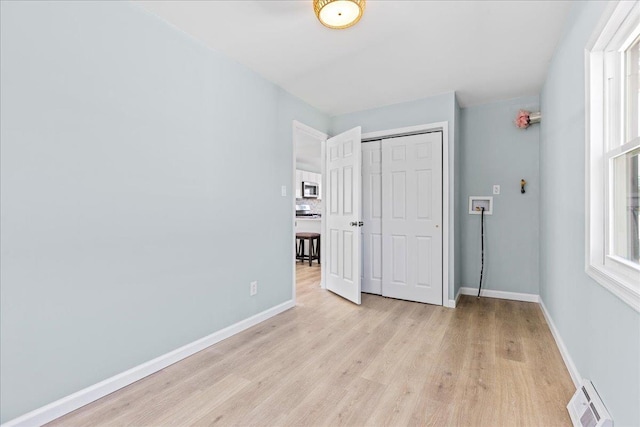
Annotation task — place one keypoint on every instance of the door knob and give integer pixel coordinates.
(356, 223)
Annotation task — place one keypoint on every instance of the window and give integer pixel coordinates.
(613, 153)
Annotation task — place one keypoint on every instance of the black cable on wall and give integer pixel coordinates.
(482, 248)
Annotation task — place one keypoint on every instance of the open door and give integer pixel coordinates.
(343, 214)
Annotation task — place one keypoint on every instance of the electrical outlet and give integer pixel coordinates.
(283, 191)
(254, 288)
(496, 189)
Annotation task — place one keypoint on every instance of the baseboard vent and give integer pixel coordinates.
(586, 408)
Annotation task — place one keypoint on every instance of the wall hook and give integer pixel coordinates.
(522, 184)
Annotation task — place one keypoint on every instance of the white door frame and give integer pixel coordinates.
(447, 195)
(322, 138)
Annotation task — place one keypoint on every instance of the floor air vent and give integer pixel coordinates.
(586, 409)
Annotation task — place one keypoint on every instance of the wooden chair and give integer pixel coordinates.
(314, 247)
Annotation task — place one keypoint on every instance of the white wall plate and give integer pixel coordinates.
(477, 202)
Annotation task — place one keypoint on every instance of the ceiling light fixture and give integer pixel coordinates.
(339, 14)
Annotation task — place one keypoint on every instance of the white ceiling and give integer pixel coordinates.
(400, 51)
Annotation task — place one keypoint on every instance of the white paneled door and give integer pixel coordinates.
(372, 218)
(342, 199)
(411, 224)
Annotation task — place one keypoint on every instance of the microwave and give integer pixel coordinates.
(310, 190)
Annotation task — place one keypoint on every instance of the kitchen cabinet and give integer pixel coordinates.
(309, 176)
(308, 225)
(298, 184)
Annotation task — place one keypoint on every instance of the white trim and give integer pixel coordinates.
(617, 277)
(294, 139)
(613, 284)
(447, 192)
(447, 212)
(323, 219)
(600, 26)
(454, 302)
(564, 352)
(92, 393)
(514, 296)
(322, 138)
(404, 131)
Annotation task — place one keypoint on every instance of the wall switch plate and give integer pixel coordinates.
(496, 189)
(254, 288)
(283, 191)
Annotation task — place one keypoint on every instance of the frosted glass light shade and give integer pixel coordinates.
(339, 14)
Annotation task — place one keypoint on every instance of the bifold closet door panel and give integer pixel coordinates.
(372, 218)
(412, 218)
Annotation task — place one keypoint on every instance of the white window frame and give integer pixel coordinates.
(614, 33)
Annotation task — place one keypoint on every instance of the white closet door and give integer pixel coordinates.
(343, 214)
(412, 218)
(372, 218)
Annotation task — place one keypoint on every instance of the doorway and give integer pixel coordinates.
(308, 165)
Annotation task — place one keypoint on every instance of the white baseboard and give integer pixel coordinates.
(515, 296)
(568, 361)
(83, 397)
(454, 302)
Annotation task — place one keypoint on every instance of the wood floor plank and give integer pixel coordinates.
(396, 405)
(509, 342)
(190, 408)
(387, 362)
(355, 407)
(315, 406)
(446, 371)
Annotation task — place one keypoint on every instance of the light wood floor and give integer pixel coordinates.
(488, 362)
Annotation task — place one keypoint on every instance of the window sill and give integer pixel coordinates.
(622, 287)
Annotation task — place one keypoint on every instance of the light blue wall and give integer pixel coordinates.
(437, 108)
(440, 108)
(494, 151)
(140, 194)
(601, 332)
